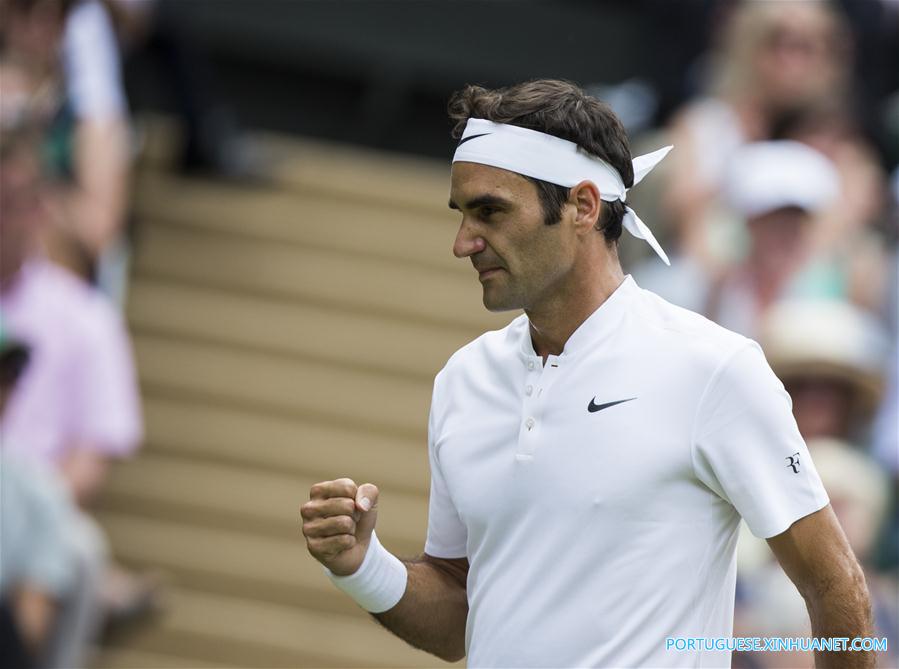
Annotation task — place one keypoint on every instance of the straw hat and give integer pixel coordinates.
(827, 339)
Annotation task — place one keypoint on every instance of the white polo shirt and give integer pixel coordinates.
(597, 498)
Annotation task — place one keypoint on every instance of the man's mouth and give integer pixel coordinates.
(487, 272)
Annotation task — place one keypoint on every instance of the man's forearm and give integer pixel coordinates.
(816, 555)
(102, 165)
(427, 595)
(432, 612)
(84, 469)
(35, 612)
(842, 610)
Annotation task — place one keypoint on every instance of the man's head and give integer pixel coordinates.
(536, 233)
(830, 356)
(788, 55)
(33, 29)
(22, 212)
(561, 109)
(778, 188)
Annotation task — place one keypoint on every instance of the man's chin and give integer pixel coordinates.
(496, 303)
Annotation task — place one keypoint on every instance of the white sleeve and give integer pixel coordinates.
(93, 71)
(447, 534)
(747, 447)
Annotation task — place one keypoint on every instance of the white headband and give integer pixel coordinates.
(556, 160)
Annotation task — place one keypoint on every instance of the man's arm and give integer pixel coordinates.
(338, 521)
(101, 169)
(35, 612)
(84, 468)
(816, 556)
(434, 609)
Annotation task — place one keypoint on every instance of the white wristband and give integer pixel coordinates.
(380, 581)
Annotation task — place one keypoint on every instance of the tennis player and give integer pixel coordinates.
(590, 462)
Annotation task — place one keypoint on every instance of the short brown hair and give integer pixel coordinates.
(562, 109)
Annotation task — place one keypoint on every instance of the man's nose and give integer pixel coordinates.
(468, 242)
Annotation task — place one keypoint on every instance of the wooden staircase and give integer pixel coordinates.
(285, 334)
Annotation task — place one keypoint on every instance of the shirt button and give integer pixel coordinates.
(530, 364)
(530, 423)
(529, 390)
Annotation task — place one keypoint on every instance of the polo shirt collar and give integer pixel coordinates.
(597, 326)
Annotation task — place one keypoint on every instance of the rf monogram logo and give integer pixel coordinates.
(793, 462)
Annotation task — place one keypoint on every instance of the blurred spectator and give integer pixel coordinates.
(68, 47)
(778, 190)
(76, 406)
(771, 60)
(771, 605)
(38, 566)
(77, 403)
(212, 142)
(777, 71)
(848, 240)
(886, 425)
(830, 356)
(775, 191)
(885, 449)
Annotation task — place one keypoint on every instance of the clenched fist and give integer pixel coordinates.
(338, 521)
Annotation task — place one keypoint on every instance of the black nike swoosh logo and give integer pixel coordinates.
(594, 407)
(471, 137)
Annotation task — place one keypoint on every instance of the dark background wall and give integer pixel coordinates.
(379, 72)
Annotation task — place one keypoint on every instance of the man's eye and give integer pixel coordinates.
(487, 212)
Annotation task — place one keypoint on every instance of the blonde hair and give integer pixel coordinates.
(752, 24)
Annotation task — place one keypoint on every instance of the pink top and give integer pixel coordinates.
(80, 386)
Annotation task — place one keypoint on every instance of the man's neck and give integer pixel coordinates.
(553, 323)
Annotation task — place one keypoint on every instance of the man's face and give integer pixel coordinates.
(800, 57)
(34, 34)
(822, 406)
(521, 262)
(780, 238)
(21, 205)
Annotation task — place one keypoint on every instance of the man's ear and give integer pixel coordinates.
(586, 200)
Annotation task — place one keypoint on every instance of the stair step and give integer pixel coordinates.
(329, 278)
(302, 388)
(255, 501)
(307, 218)
(112, 657)
(292, 329)
(230, 631)
(288, 445)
